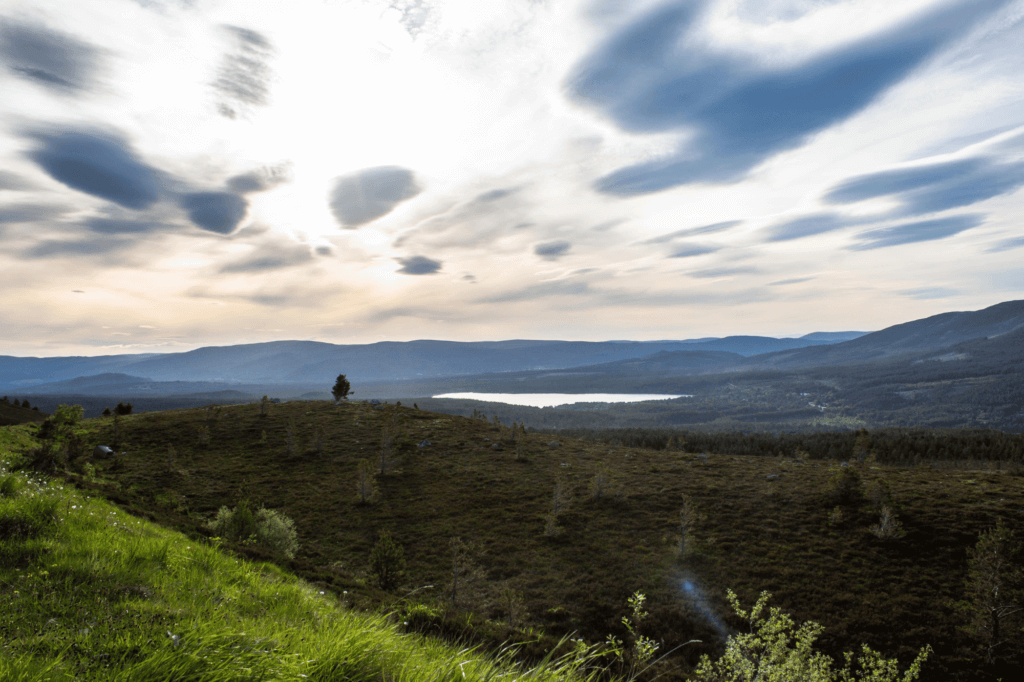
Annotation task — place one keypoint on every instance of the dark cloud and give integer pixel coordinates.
(656, 76)
(260, 180)
(695, 231)
(14, 182)
(552, 250)
(925, 230)
(694, 250)
(418, 265)
(469, 278)
(30, 213)
(218, 212)
(934, 187)
(101, 164)
(324, 250)
(794, 280)
(807, 226)
(244, 76)
(57, 61)
(368, 194)
(723, 272)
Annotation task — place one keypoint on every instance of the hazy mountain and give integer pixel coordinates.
(930, 333)
(314, 363)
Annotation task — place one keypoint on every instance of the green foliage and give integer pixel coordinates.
(387, 561)
(777, 650)
(123, 409)
(342, 388)
(845, 487)
(994, 589)
(267, 528)
(11, 485)
(888, 526)
(22, 519)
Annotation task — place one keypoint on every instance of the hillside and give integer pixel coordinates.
(763, 523)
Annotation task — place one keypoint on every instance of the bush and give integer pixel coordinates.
(888, 526)
(387, 561)
(845, 486)
(776, 648)
(11, 485)
(266, 528)
(342, 388)
(123, 409)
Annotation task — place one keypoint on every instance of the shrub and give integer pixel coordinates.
(107, 412)
(123, 408)
(776, 648)
(888, 527)
(845, 486)
(836, 517)
(879, 493)
(266, 528)
(387, 561)
(600, 482)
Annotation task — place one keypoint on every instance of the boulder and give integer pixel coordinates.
(102, 452)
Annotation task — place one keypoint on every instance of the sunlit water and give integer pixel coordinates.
(553, 399)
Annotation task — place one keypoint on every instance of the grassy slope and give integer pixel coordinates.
(92, 593)
(757, 533)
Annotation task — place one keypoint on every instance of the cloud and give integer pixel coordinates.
(51, 248)
(807, 226)
(57, 61)
(260, 180)
(218, 212)
(712, 273)
(925, 230)
(244, 76)
(1006, 245)
(125, 226)
(694, 250)
(934, 187)
(694, 231)
(656, 76)
(101, 164)
(560, 287)
(418, 265)
(552, 250)
(413, 14)
(30, 213)
(14, 182)
(930, 293)
(495, 194)
(794, 280)
(268, 257)
(368, 194)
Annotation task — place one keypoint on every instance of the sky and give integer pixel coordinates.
(182, 173)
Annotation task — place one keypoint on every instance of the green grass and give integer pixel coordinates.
(756, 533)
(92, 593)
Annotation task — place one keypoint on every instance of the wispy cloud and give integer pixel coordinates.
(52, 59)
(658, 75)
(243, 78)
(921, 231)
(552, 250)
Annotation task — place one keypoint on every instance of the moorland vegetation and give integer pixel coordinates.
(482, 533)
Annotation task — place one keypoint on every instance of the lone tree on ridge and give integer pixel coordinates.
(341, 389)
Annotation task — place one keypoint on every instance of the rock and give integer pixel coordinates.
(374, 401)
(102, 452)
(772, 477)
(496, 446)
(845, 464)
(424, 443)
(554, 444)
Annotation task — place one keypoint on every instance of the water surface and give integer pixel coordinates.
(553, 399)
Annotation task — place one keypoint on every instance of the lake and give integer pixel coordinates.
(553, 399)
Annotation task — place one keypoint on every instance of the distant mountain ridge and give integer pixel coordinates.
(314, 362)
